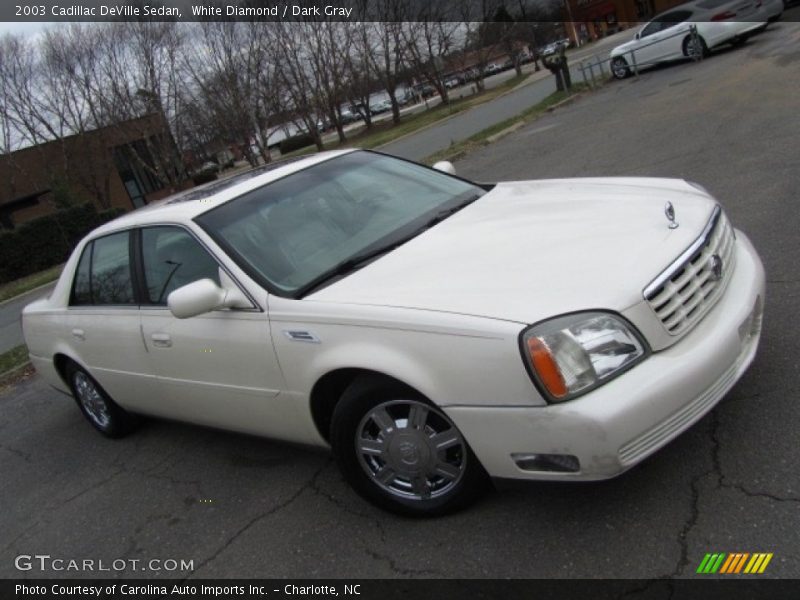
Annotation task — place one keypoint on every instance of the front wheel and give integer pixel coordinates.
(739, 41)
(619, 67)
(401, 453)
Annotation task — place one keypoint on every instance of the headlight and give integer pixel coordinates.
(573, 354)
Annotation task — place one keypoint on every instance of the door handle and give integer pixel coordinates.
(79, 333)
(162, 340)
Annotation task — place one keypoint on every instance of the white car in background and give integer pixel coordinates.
(772, 9)
(668, 36)
(431, 330)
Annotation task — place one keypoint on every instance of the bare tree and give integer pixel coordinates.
(427, 41)
(45, 100)
(233, 82)
(387, 50)
(328, 52)
(139, 73)
(299, 89)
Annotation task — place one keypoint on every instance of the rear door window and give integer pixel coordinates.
(103, 276)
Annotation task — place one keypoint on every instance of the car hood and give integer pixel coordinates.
(526, 251)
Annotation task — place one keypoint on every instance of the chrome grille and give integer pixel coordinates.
(689, 287)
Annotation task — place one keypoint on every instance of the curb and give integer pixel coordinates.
(564, 102)
(504, 132)
(36, 289)
(14, 372)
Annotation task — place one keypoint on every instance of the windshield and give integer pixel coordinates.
(295, 232)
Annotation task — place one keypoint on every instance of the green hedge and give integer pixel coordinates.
(47, 241)
(296, 142)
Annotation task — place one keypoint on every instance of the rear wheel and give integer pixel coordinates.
(694, 46)
(100, 410)
(402, 453)
(619, 67)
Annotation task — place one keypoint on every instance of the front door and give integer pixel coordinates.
(216, 369)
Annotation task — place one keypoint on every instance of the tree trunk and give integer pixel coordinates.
(340, 132)
(395, 106)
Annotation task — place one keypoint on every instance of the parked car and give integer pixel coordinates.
(323, 124)
(552, 48)
(380, 107)
(491, 69)
(405, 97)
(207, 167)
(348, 116)
(430, 330)
(425, 90)
(772, 10)
(668, 36)
(225, 159)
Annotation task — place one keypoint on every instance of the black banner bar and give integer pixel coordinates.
(740, 588)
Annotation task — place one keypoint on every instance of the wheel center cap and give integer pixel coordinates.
(408, 452)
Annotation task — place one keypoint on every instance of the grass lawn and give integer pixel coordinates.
(25, 284)
(481, 138)
(13, 358)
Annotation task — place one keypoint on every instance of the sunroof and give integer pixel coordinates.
(215, 187)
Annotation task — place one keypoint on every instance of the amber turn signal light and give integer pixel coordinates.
(546, 368)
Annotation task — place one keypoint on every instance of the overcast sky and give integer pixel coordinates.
(27, 28)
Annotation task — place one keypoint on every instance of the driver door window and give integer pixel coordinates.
(651, 28)
(173, 258)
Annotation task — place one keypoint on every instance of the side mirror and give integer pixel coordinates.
(637, 36)
(196, 298)
(445, 166)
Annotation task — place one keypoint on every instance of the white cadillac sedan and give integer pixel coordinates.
(668, 37)
(430, 330)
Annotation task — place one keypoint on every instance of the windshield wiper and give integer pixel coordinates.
(447, 212)
(349, 265)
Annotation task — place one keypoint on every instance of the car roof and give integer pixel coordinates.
(188, 204)
(696, 6)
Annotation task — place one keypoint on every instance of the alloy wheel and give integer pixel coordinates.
(410, 450)
(91, 400)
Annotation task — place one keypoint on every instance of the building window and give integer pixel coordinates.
(135, 165)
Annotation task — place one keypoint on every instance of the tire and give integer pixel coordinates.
(691, 49)
(100, 410)
(619, 68)
(739, 41)
(385, 437)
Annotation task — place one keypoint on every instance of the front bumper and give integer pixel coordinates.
(618, 425)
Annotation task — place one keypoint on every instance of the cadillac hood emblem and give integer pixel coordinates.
(715, 264)
(669, 210)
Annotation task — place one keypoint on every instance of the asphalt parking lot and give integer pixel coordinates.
(242, 506)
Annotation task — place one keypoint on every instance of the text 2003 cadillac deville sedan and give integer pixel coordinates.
(430, 330)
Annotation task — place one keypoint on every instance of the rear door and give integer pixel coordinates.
(102, 321)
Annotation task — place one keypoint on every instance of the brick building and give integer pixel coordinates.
(114, 166)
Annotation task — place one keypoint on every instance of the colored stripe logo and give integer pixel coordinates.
(734, 563)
